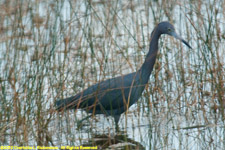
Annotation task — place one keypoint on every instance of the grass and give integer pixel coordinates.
(55, 49)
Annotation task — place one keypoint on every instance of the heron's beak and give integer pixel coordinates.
(174, 34)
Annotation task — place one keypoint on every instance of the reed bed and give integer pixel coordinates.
(54, 49)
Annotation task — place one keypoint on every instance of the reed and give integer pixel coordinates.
(55, 49)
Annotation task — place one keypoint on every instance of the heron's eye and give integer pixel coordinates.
(169, 29)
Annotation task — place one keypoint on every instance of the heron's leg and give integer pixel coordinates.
(117, 118)
(117, 127)
(79, 122)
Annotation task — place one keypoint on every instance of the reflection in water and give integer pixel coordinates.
(49, 49)
(118, 141)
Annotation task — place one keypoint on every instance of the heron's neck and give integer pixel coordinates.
(149, 62)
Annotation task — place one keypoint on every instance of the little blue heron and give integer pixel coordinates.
(114, 96)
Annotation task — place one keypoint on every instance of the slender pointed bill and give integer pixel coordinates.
(174, 34)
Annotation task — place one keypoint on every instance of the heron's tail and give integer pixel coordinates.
(64, 104)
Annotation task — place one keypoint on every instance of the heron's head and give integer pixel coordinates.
(167, 28)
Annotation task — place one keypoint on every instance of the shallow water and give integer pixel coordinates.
(51, 50)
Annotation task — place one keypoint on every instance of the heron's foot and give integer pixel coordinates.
(80, 122)
(117, 128)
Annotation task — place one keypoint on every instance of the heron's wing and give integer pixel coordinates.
(89, 97)
(113, 93)
(108, 94)
(105, 92)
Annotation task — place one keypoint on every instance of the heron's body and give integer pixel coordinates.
(114, 96)
(120, 92)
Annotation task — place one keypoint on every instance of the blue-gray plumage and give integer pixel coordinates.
(114, 96)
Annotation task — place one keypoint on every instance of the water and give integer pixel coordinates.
(51, 50)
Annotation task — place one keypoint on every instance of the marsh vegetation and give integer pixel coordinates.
(54, 49)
